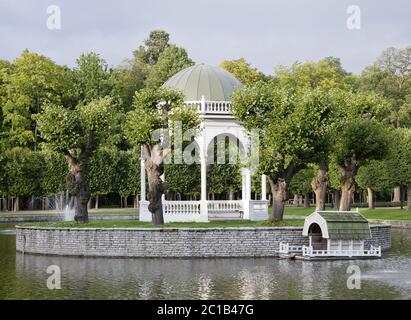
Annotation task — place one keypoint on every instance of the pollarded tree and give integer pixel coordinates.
(77, 134)
(156, 112)
(289, 132)
(373, 177)
(359, 141)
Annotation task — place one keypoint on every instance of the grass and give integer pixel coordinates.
(142, 224)
(374, 214)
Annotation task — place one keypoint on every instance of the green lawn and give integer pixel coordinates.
(140, 224)
(377, 214)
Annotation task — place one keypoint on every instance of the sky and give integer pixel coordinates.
(266, 33)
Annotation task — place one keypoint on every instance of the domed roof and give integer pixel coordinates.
(214, 83)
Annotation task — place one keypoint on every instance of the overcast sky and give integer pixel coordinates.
(266, 33)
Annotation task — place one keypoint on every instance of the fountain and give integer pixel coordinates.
(68, 214)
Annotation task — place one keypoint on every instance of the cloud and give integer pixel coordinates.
(266, 33)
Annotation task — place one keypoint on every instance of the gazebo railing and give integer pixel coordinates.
(181, 207)
(287, 248)
(219, 207)
(211, 107)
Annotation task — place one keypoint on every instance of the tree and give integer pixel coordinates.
(156, 43)
(390, 76)
(156, 111)
(77, 134)
(171, 60)
(301, 184)
(243, 71)
(373, 177)
(183, 178)
(318, 80)
(289, 130)
(358, 142)
(399, 164)
(30, 82)
(90, 78)
(23, 170)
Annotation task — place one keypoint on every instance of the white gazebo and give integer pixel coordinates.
(208, 89)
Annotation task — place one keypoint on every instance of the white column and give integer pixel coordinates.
(243, 185)
(248, 184)
(163, 178)
(203, 105)
(203, 163)
(142, 176)
(263, 187)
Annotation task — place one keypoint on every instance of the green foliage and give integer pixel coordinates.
(29, 83)
(128, 172)
(243, 71)
(103, 168)
(154, 108)
(374, 175)
(183, 178)
(171, 60)
(64, 129)
(399, 158)
(22, 172)
(301, 183)
(326, 74)
(156, 43)
(53, 173)
(390, 76)
(90, 77)
(359, 141)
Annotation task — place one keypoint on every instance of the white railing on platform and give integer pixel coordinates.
(211, 107)
(224, 206)
(287, 248)
(181, 207)
(372, 252)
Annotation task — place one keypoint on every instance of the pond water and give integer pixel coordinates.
(25, 276)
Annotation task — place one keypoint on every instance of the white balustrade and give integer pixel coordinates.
(211, 107)
(372, 252)
(224, 206)
(181, 207)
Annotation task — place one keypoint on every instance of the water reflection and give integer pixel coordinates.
(24, 277)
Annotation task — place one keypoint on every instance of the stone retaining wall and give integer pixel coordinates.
(168, 242)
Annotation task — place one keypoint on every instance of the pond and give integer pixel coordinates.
(25, 276)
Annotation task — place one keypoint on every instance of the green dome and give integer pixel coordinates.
(214, 83)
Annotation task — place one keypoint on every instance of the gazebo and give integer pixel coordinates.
(208, 89)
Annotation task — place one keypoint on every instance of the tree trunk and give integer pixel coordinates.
(16, 204)
(397, 194)
(348, 172)
(31, 203)
(47, 203)
(336, 198)
(346, 193)
(78, 187)
(156, 187)
(370, 198)
(306, 201)
(232, 195)
(319, 185)
(89, 204)
(279, 193)
(96, 202)
(409, 197)
(296, 201)
(402, 198)
(125, 202)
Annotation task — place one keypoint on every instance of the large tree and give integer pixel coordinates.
(77, 134)
(156, 111)
(30, 82)
(290, 127)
